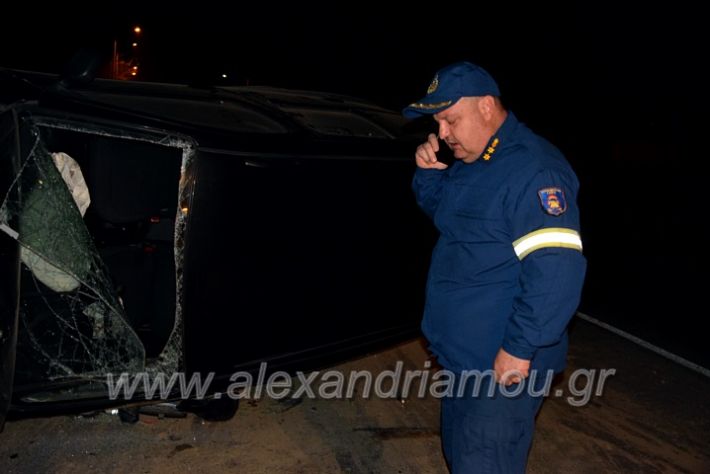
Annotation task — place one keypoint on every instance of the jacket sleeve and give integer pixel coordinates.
(547, 241)
(427, 185)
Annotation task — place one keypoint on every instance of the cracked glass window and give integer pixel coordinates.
(71, 320)
(101, 236)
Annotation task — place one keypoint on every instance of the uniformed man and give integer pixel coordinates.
(507, 271)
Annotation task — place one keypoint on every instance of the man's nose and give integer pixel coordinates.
(443, 131)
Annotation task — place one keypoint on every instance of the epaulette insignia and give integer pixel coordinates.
(491, 149)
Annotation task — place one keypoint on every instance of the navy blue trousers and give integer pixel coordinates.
(482, 434)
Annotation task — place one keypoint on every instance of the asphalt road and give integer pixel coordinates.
(650, 416)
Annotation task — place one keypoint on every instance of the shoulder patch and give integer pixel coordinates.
(553, 201)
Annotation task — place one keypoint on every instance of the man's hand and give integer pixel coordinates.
(426, 154)
(510, 369)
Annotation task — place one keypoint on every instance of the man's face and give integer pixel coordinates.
(464, 128)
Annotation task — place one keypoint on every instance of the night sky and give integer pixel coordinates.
(358, 48)
(620, 90)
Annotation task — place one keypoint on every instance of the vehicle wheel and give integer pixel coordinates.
(220, 409)
(129, 415)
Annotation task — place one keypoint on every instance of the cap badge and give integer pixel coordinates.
(434, 84)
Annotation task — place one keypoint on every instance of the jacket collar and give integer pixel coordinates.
(500, 139)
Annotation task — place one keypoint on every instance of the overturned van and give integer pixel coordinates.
(162, 228)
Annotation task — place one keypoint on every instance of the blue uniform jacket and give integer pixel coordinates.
(507, 270)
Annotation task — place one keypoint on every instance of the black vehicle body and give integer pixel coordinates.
(227, 227)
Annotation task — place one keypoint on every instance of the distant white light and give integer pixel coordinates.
(137, 29)
(224, 76)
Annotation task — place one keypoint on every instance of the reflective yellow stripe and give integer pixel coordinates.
(551, 237)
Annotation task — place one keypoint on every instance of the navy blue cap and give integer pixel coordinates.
(462, 79)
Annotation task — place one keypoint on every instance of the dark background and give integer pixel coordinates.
(621, 90)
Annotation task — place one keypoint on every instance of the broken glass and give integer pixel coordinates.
(72, 321)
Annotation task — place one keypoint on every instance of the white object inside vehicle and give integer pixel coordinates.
(55, 278)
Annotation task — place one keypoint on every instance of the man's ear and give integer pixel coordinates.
(485, 106)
